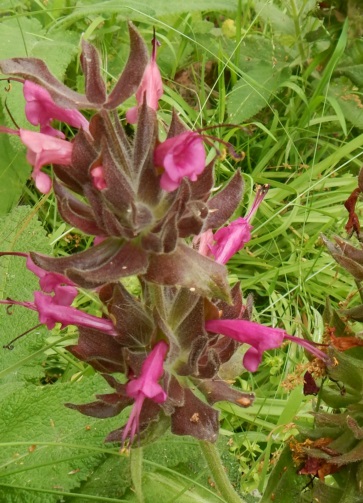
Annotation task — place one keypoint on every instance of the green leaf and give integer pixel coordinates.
(138, 10)
(349, 101)
(14, 171)
(173, 470)
(167, 487)
(26, 37)
(354, 73)
(279, 20)
(253, 91)
(20, 231)
(111, 479)
(44, 445)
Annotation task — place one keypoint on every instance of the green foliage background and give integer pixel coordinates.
(290, 77)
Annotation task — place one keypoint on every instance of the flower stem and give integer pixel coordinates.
(136, 456)
(220, 478)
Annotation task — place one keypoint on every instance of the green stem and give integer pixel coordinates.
(297, 21)
(136, 472)
(220, 478)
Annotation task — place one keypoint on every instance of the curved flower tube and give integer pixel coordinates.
(146, 386)
(228, 240)
(260, 338)
(50, 312)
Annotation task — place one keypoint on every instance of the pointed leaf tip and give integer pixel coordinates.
(95, 85)
(130, 78)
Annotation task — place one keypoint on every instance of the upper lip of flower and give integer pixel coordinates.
(40, 110)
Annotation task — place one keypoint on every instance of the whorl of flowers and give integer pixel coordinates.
(143, 200)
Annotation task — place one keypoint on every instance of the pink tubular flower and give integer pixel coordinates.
(150, 89)
(63, 288)
(42, 150)
(40, 110)
(229, 240)
(51, 312)
(146, 386)
(259, 337)
(204, 242)
(98, 178)
(180, 156)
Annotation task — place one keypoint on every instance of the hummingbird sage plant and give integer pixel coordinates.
(151, 207)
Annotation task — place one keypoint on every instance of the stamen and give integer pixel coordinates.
(231, 150)
(10, 115)
(10, 344)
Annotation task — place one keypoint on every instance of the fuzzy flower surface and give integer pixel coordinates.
(146, 386)
(182, 156)
(40, 110)
(150, 89)
(259, 337)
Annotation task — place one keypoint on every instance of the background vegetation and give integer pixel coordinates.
(289, 75)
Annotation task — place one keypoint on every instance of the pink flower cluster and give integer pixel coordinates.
(47, 146)
(53, 309)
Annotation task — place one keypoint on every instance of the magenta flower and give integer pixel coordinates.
(40, 110)
(51, 312)
(204, 243)
(42, 150)
(98, 178)
(146, 386)
(259, 337)
(229, 240)
(180, 156)
(63, 288)
(150, 89)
